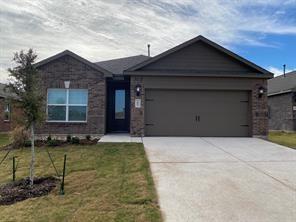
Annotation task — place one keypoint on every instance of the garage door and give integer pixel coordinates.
(196, 113)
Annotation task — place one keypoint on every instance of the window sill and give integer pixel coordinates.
(70, 122)
(7, 121)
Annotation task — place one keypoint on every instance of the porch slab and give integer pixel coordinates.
(120, 138)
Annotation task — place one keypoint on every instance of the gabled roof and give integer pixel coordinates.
(75, 56)
(117, 66)
(282, 84)
(207, 41)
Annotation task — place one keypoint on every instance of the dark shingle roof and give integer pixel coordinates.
(282, 84)
(117, 66)
(4, 92)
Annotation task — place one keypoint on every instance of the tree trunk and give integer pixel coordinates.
(32, 165)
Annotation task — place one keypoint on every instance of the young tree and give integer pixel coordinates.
(25, 83)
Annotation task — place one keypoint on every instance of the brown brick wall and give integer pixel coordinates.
(137, 114)
(259, 107)
(81, 76)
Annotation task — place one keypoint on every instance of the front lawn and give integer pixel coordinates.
(4, 139)
(105, 182)
(285, 139)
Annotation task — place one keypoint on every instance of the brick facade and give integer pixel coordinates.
(137, 114)
(81, 76)
(281, 114)
(258, 106)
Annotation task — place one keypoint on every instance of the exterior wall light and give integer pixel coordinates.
(138, 90)
(261, 91)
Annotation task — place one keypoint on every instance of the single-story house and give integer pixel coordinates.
(197, 88)
(9, 110)
(282, 102)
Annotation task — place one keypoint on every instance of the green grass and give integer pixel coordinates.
(105, 182)
(283, 138)
(4, 139)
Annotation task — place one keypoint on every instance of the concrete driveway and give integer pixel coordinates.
(223, 179)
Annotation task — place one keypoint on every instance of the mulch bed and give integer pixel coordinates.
(60, 143)
(21, 190)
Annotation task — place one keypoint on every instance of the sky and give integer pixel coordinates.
(262, 31)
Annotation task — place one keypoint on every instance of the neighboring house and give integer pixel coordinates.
(282, 102)
(9, 111)
(197, 88)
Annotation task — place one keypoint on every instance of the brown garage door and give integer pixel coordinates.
(197, 113)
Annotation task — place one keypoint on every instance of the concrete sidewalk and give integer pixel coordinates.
(120, 138)
(223, 179)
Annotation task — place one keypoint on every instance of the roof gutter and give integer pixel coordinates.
(199, 74)
(281, 92)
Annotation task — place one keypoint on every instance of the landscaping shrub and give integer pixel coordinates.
(27, 143)
(75, 140)
(48, 138)
(19, 136)
(69, 138)
(53, 142)
(88, 137)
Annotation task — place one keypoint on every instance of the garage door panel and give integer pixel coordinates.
(196, 113)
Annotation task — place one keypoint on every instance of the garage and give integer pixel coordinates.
(197, 113)
(198, 88)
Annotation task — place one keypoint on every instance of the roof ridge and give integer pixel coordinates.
(122, 58)
(288, 73)
(75, 56)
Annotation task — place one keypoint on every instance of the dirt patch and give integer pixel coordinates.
(21, 190)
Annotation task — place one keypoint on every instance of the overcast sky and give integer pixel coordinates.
(263, 31)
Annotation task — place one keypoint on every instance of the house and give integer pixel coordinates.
(9, 110)
(197, 88)
(282, 102)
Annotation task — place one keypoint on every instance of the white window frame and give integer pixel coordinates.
(67, 107)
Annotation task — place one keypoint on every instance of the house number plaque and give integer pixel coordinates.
(138, 103)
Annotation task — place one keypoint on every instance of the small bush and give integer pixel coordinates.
(48, 138)
(75, 140)
(69, 138)
(53, 142)
(19, 136)
(88, 137)
(27, 143)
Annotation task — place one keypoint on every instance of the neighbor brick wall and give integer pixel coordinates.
(4, 125)
(15, 116)
(258, 106)
(281, 112)
(81, 76)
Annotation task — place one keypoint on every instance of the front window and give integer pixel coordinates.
(67, 105)
(7, 112)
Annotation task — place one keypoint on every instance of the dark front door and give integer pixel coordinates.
(118, 109)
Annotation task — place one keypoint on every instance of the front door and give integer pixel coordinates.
(118, 109)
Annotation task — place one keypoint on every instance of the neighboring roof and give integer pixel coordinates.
(266, 73)
(75, 56)
(4, 92)
(282, 84)
(117, 66)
